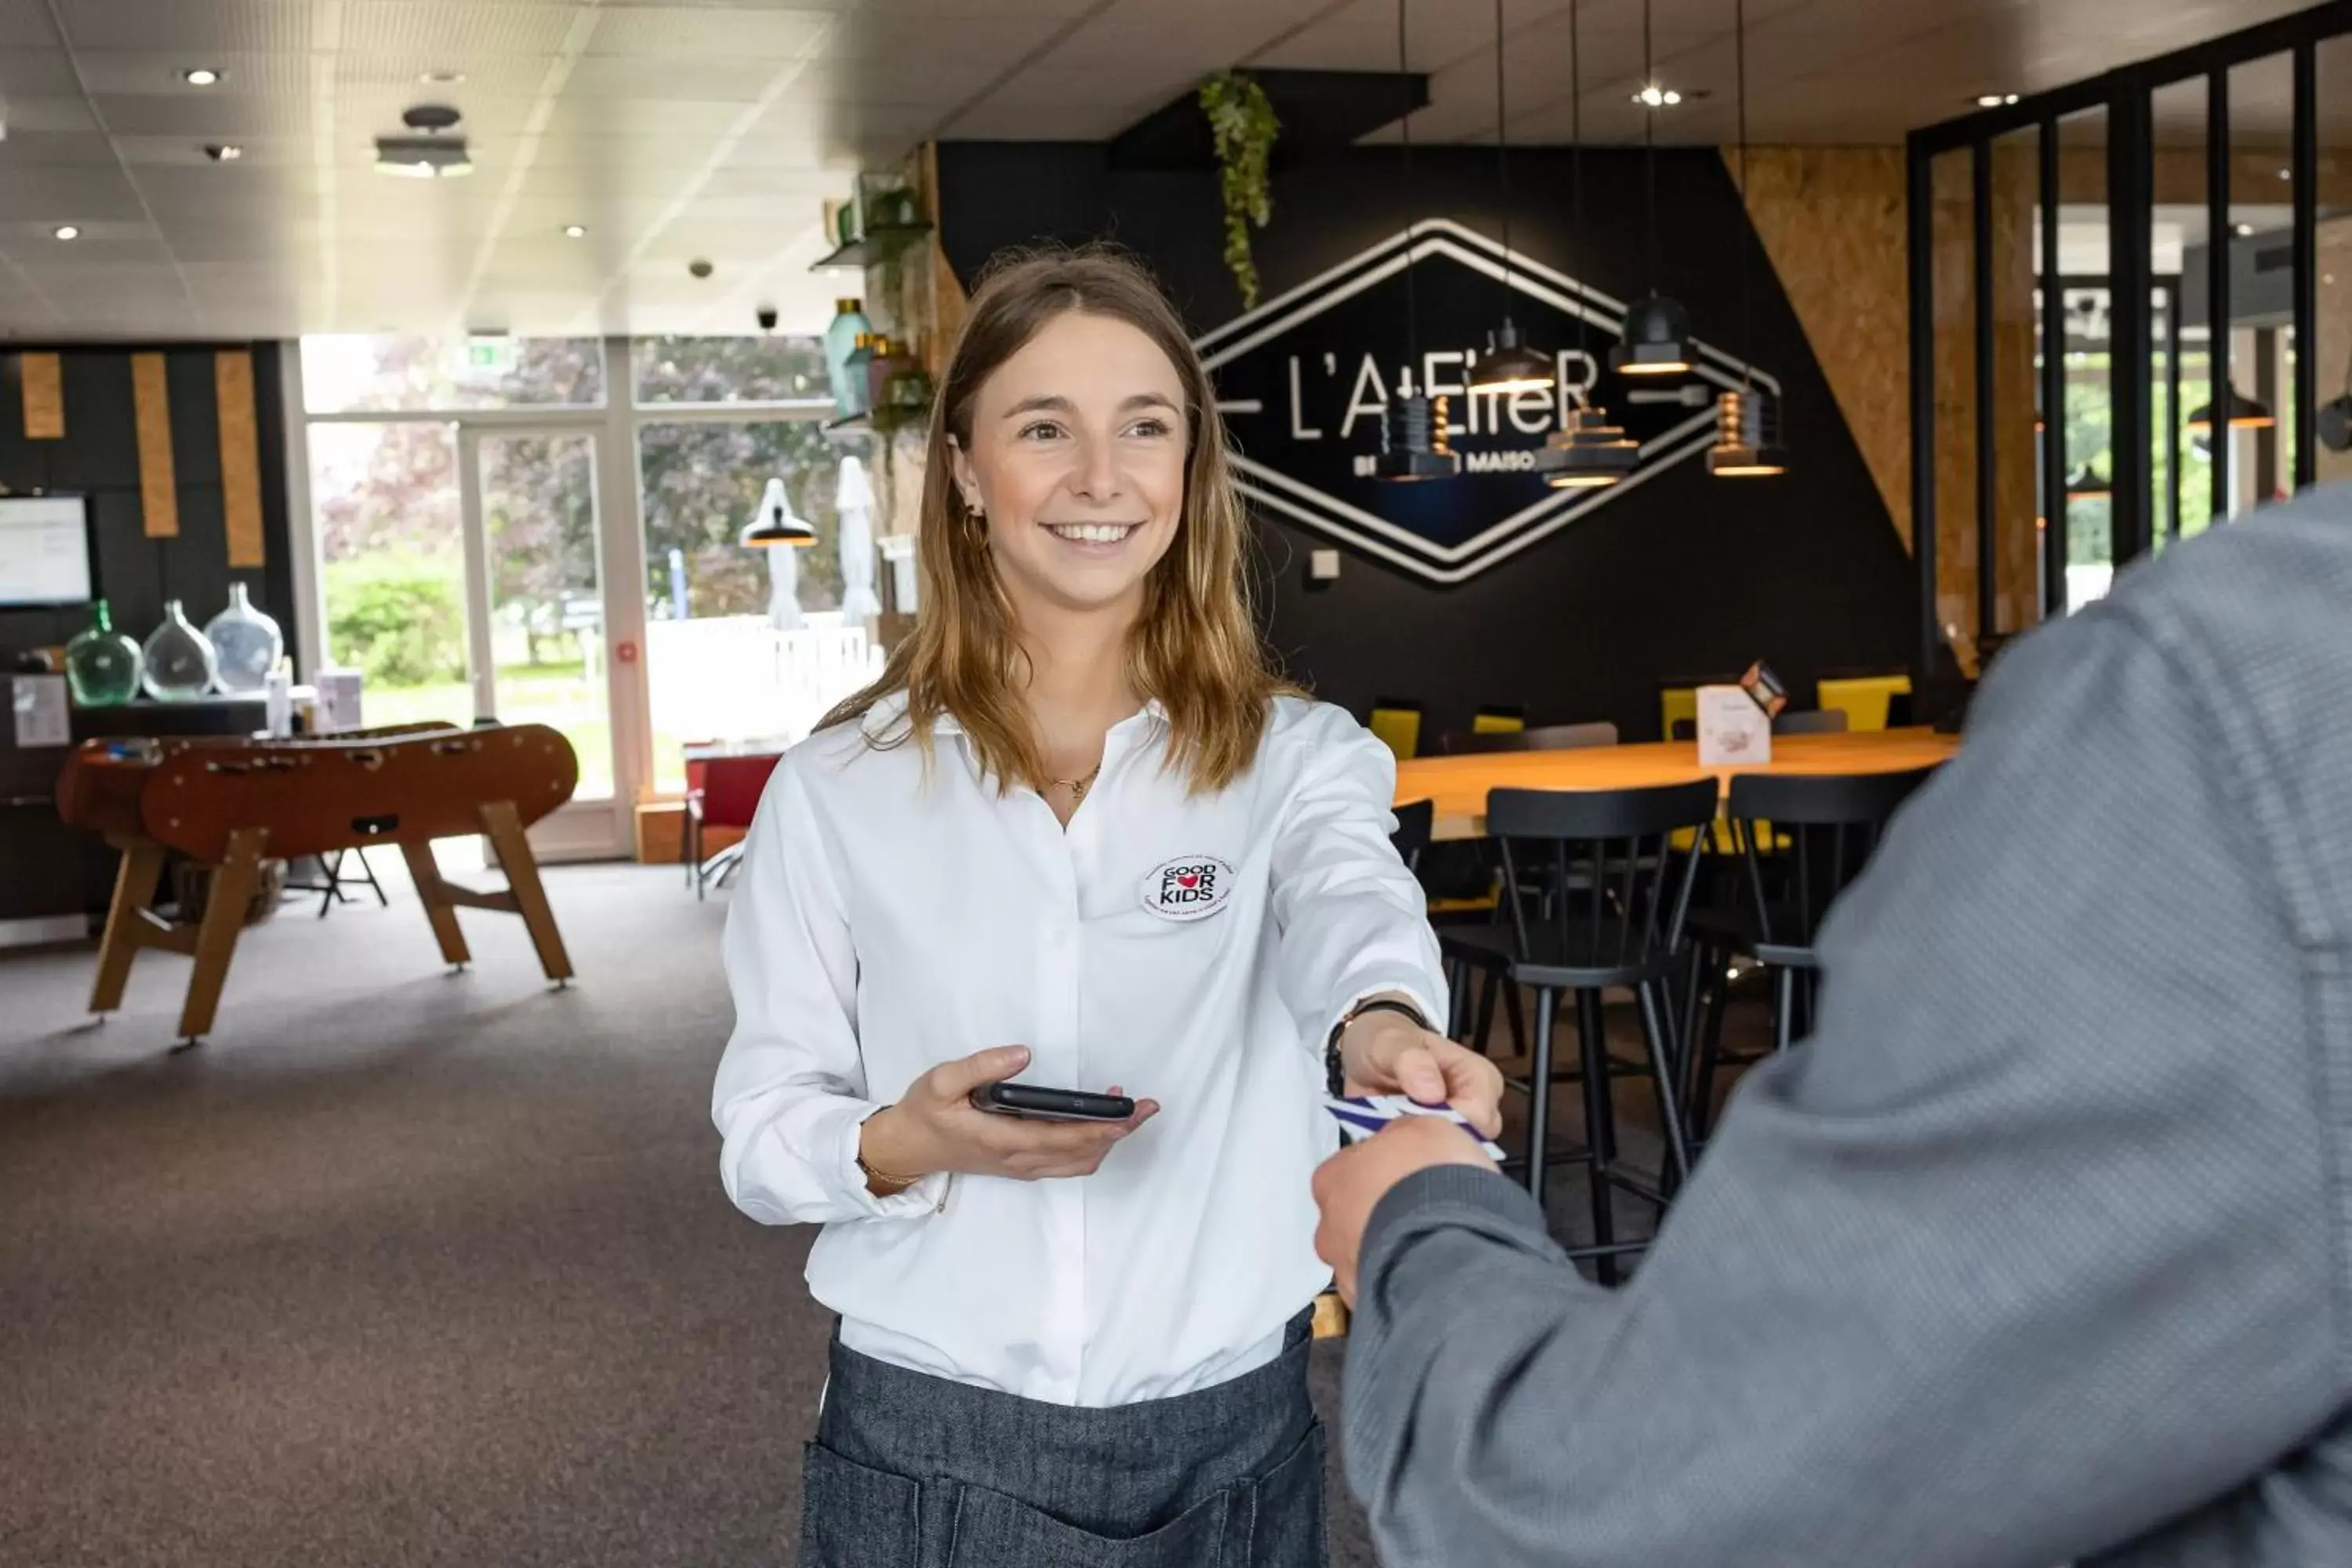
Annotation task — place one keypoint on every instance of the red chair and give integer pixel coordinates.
(725, 795)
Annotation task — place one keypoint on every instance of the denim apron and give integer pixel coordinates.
(913, 1471)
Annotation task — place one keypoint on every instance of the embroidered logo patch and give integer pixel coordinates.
(1188, 888)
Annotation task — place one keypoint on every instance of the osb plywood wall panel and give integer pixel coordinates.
(159, 495)
(1832, 219)
(2015, 187)
(2332, 338)
(45, 397)
(241, 454)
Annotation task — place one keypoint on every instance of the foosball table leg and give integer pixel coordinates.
(504, 825)
(425, 872)
(225, 908)
(134, 889)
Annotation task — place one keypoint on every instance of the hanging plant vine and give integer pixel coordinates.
(1243, 126)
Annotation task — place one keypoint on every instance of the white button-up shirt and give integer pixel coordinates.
(1195, 950)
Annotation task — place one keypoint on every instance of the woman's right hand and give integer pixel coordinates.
(934, 1127)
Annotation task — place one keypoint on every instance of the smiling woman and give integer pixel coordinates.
(1121, 841)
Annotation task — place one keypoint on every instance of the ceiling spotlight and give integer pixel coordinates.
(200, 76)
(2243, 230)
(1656, 97)
(574, 231)
(224, 152)
(2286, 174)
(1995, 99)
(67, 231)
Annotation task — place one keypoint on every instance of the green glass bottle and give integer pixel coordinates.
(101, 664)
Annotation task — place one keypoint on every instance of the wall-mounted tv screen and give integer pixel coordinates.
(44, 550)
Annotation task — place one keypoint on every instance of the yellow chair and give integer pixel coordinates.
(1397, 725)
(1863, 700)
(1497, 722)
(1676, 702)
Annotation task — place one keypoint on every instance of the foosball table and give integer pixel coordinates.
(233, 804)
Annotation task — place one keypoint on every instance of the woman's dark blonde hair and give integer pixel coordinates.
(1195, 647)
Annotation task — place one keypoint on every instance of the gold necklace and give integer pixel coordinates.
(1078, 787)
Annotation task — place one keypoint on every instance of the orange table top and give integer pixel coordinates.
(1458, 785)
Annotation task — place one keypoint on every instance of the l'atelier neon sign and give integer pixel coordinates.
(1303, 395)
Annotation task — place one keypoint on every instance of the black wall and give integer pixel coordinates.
(1687, 577)
(100, 456)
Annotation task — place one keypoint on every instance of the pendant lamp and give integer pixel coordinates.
(1747, 435)
(774, 523)
(1657, 329)
(1747, 421)
(1415, 441)
(1587, 452)
(1510, 364)
(2241, 412)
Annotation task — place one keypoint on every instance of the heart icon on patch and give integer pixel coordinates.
(1188, 888)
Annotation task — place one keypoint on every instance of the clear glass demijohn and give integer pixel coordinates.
(245, 642)
(179, 664)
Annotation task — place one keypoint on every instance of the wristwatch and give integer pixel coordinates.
(1334, 1073)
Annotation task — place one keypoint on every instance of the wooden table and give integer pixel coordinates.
(1458, 785)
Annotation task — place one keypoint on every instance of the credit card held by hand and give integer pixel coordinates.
(1361, 1116)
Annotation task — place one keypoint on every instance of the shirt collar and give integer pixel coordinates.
(889, 712)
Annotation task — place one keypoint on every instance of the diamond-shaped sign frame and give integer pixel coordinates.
(1500, 538)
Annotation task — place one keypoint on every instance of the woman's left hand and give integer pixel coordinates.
(1387, 1053)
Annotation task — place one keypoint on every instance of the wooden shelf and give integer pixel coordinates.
(877, 244)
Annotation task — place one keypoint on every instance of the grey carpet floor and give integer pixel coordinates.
(402, 1267)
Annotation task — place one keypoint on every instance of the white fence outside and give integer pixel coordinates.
(736, 678)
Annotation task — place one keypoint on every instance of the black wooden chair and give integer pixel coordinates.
(1809, 721)
(1823, 830)
(1595, 895)
(1414, 821)
(1549, 738)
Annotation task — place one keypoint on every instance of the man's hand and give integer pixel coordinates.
(1387, 1053)
(1350, 1185)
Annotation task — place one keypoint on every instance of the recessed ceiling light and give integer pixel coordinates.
(200, 76)
(441, 78)
(2286, 174)
(1656, 97)
(574, 231)
(1995, 99)
(67, 231)
(224, 152)
(2243, 230)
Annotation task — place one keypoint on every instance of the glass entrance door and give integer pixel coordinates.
(537, 630)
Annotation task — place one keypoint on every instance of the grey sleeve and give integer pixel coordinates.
(2026, 1252)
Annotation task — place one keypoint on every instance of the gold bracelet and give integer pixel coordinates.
(897, 1184)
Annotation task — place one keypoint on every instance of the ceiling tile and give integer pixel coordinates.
(227, 27)
(458, 30)
(640, 32)
(32, 73)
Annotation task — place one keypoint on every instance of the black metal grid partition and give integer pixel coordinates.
(2134, 295)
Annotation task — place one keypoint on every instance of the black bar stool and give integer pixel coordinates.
(1595, 895)
(1800, 841)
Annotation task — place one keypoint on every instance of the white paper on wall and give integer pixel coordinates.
(42, 716)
